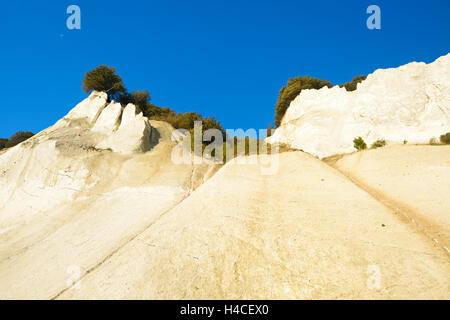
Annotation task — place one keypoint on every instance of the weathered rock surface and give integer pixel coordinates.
(94, 207)
(68, 201)
(303, 233)
(413, 179)
(410, 103)
(131, 135)
(56, 164)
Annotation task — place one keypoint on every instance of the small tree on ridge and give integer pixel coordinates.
(104, 78)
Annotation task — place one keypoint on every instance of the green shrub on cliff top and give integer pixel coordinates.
(3, 142)
(292, 89)
(352, 85)
(104, 78)
(378, 144)
(295, 85)
(445, 138)
(359, 144)
(17, 138)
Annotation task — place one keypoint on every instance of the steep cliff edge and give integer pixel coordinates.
(94, 207)
(410, 103)
(79, 190)
(305, 232)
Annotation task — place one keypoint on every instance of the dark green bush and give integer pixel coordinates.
(104, 78)
(359, 144)
(17, 138)
(295, 85)
(3, 142)
(182, 120)
(378, 144)
(445, 138)
(152, 111)
(352, 85)
(140, 98)
(292, 89)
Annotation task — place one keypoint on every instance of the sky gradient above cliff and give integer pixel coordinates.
(226, 59)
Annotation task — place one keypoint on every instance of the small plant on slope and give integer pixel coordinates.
(378, 144)
(17, 138)
(359, 144)
(445, 138)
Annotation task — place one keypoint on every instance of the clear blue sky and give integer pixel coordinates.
(223, 58)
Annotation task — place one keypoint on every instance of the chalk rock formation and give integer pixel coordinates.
(305, 232)
(410, 103)
(89, 108)
(71, 195)
(109, 118)
(116, 128)
(57, 163)
(131, 136)
(399, 174)
(79, 220)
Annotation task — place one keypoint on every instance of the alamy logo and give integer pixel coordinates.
(74, 20)
(204, 146)
(374, 21)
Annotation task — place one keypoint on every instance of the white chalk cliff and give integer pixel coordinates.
(58, 162)
(116, 128)
(80, 189)
(94, 208)
(409, 103)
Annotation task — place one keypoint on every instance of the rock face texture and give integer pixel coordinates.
(415, 179)
(132, 134)
(305, 232)
(119, 129)
(94, 207)
(57, 163)
(410, 103)
(71, 195)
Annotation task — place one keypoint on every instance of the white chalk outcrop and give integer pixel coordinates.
(132, 135)
(81, 153)
(118, 129)
(89, 108)
(409, 103)
(79, 220)
(305, 232)
(79, 190)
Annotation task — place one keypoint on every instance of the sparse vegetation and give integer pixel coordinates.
(105, 78)
(295, 85)
(445, 138)
(359, 144)
(3, 142)
(292, 89)
(378, 144)
(15, 139)
(352, 85)
(405, 141)
(232, 147)
(248, 151)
